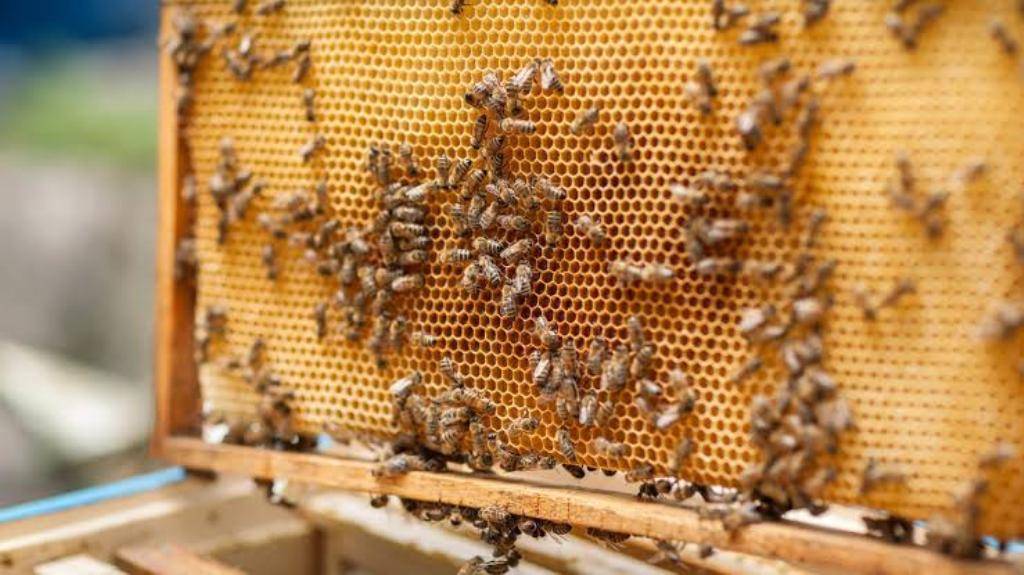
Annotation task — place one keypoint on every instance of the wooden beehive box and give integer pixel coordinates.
(928, 394)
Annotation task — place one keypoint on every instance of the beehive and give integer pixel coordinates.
(928, 394)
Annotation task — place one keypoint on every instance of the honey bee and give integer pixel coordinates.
(680, 454)
(835, 68)
(640, 365)
(309, 104)
(549, 190)
(489, 215)
(605, 410)
(479, 131)
(748, 369)
(623, 142)
(508, 306)
(495, 515)
(687, 195)
(398, 465)
(497, 101)
(609, 448)
(703, 89)
(596, 355)
(479, 92)
(552, 226)
(748, 126)
(565, 408)
(610, 539)
(517, 126)
(269, 258)
(585, 121)
(615, 372)
(444, 169)
(1000, 34)
(314, 145)
(474, 181)
(875, 475)
(718, 266)
(591, 226)
(908, 34)
(302, 65)
(522, 281)
(412, 168)
(411, 214)
(565, 444)
(490, 270)
(517, 250)
(762, 29)
(724, 17)
(1004, 321)
(189, 189)
(763, 271)
(320, 317)
(494, 146)
(406, 230)
(458, 255)
(524, 78)
(423, 339)
(774, 69)
(541, 368)
(407, 283)
(723, 229)
(755, 319)
(635, 329)
(671, 414)
(514, 222)
(815, 11)
(545, 334)
(186, 258)
(268, 7)
(808, 310)
(401, 388)
(458, 6)
(642, 472)
(521, 426)
(588, 409)
(470, 277)
(1000, 454)
(488, 246)
(549, 80)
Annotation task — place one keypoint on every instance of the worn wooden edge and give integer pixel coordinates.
(169, 559)
(786, 541)
(176, 396)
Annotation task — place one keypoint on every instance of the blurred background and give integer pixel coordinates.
(77, 235)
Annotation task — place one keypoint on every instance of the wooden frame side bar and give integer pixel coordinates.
(177, 387)
(814, 547)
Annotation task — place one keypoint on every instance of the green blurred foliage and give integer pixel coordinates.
(65, 108)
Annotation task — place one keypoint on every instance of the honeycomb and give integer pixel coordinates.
(928, 394)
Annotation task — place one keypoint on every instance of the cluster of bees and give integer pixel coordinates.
(492, 211)
(501, 529)
(272, 427)
(496, 215)
(762, 27)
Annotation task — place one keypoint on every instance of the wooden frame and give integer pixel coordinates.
(178, 409)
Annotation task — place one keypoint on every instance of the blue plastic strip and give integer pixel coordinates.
(91, 495)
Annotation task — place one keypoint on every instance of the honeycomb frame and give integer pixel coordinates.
(904, 374)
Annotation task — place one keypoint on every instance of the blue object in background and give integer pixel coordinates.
(34, 25)
(92, 495)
